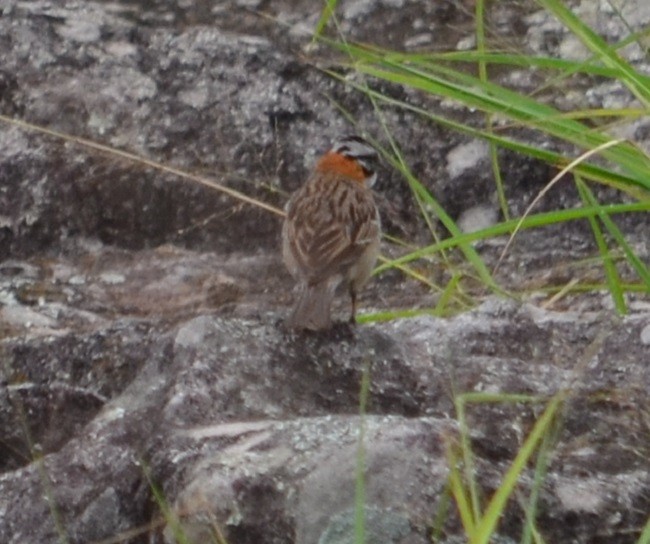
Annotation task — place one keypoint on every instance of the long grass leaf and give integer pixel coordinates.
(608, 176)
(326, 15)
(613, 279)
(645, 534)
(532, 221)
(635, 261)
(489, 97)
(460, 493)
(496, 506)
(492, 98)
(360, 483)
(541, 467)
(625, 72)
(600, 149)
(168, 513)
(468, 459)
(470, 253)
(483, 75)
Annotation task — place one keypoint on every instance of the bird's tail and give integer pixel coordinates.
(312, 309)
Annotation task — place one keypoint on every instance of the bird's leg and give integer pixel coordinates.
(353, 299)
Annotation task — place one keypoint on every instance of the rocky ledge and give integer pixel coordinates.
(146, 376)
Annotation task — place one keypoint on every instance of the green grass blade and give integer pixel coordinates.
(486, 96)
(447, 295)
(532, 221)
(496, 506)
(625, 73)
(613, 279)
(468, 461)
(430, 203)
(621, 181)
(459, 492)
(634, 260)
(326, 15)
(541, 469)
(377, 317)
(441, 514)
(645, 535)
(492, 98)
(565, 67)
(480, 38)
(167, 512)
(470, 253)
(493, 148)
(360, 483)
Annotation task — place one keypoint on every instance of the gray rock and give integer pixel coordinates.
(141, 339)
(380, 526)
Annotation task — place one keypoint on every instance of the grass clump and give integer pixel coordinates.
(584, 151)
(582, 146)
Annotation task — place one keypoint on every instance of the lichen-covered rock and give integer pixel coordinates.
(143, 362)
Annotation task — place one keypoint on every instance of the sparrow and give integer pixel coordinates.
(331, 232)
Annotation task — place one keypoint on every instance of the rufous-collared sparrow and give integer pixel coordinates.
(331, 232)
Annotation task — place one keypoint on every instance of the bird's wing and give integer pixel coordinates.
(327, 235)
